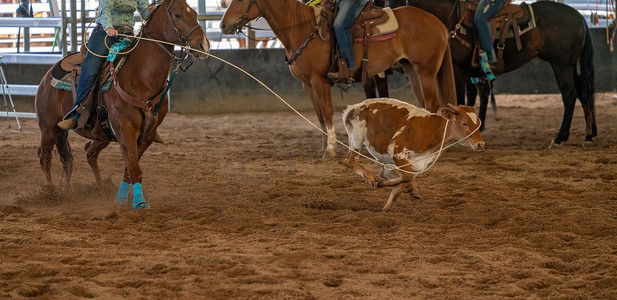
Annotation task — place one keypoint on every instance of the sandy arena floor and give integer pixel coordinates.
(242, 207)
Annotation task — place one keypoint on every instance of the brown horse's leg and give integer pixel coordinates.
(93, 149)
(414, 80)
(48, 139)
(132, 174)
(66, 155)
(132, 149)
(565, 81)
(321, 85)
(428, 81)
(308, 89)
(130, 155)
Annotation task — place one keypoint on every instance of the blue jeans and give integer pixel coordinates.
(486, 9)
(92, 64)
(347, 14)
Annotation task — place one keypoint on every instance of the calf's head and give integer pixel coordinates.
(464, 122)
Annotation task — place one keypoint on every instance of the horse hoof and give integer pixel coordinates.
(587, 144)
(122, 200)
(329, 152)
(122, 196)
(554, 145)
(140, 206)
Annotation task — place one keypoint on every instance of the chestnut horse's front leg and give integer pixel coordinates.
(123, 191)
(321, 86)
(127, 136)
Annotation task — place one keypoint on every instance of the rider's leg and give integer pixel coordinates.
(485, 10)
(348, 12)
(89, 71)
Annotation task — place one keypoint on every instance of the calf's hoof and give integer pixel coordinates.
(413, 194)
(371, 184)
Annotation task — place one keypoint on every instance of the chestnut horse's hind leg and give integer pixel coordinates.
(66, 156)
(414, 80)
(49, 136)
(93, 148)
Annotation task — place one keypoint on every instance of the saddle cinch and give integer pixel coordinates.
(65, 76)
(373, 24)
(511, 21)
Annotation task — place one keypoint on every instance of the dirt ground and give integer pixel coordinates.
(243, 207)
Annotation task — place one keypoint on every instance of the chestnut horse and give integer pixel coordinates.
(420, 44)
(561, 38)
(143, 76)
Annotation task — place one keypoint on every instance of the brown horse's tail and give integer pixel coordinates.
(586, 86)
(445, 80)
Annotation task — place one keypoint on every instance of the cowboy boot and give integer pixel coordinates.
(67, 124)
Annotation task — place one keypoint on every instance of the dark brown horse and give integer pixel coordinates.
(420, 44)
(143, 76)
(561, 38)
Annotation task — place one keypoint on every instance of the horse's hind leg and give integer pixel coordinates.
(565, 81)
(93, 149)
(48, 139)
(484, 90)
(414, 80)
(66, 156)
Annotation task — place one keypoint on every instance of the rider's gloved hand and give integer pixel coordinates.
(111, 31)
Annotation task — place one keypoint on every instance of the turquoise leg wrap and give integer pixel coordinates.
(139, 202)
(486, 66)
(123, 193)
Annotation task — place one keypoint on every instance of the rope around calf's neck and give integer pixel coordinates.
(387, 166)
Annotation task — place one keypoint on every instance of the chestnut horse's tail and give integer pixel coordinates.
(585, 83)
(445, 80)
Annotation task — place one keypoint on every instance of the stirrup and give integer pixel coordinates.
(337, 78)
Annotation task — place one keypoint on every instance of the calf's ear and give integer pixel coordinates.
(448, 113)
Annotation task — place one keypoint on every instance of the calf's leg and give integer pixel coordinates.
(351, 161)
(399, 184)
(396, 191)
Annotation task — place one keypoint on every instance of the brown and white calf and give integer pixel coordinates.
(398, 133)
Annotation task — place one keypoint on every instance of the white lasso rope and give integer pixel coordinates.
(387, 166)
